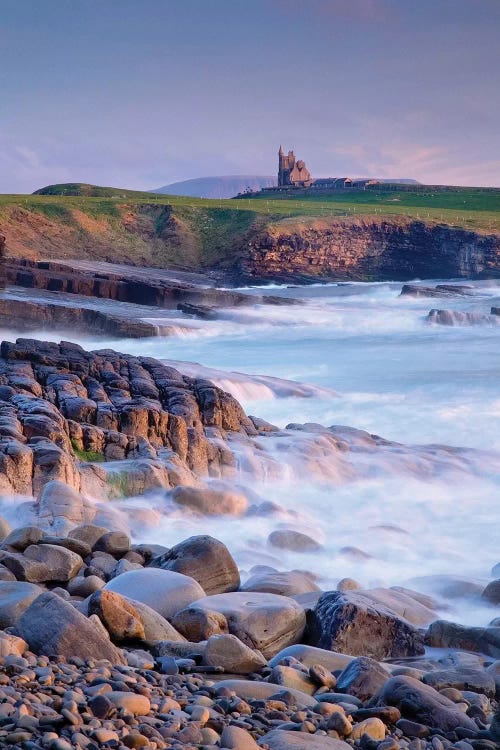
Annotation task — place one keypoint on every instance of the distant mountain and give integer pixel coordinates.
(226, 186)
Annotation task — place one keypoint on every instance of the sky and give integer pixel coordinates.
(141, 93)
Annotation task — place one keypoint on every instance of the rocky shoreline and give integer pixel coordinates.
(108, 642)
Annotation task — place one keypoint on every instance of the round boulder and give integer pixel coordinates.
(210, 502)
(293, 540)
(205, 559)
(165, 591)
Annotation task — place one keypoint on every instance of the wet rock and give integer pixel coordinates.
(205, 559)
(52, 626)
(475, 680)
(363, 677)
(293, 540)
(120, 618)
(266, 622)
(351, 623)
(492, 590)
(445, 634)
(165, 591)
(289, 583)
(62, 564)
(422, 703)
(210, 502)
(232, 655)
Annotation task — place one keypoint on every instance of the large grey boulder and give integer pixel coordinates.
(403, 604)
(59, 508)
(205, 559)
(422, 703)
(262, 691)
(15, 598)
(464, 678)
(445, 634)
(283, 739)
(349, 622)
(232, 655)
(22, 537)
(266, 622)
(53, 627)
(164, 591)
(363, 677)
(62, 563)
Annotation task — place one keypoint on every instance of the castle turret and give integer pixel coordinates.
(290, 172)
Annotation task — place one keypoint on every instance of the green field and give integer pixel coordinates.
(467, 207)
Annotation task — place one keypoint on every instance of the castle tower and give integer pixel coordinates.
(292, 173)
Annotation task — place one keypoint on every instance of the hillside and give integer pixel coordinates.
(218, 187)
(254, 238)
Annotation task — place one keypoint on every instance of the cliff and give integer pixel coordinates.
(369, 249)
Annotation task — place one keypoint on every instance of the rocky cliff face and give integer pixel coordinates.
(367, 249)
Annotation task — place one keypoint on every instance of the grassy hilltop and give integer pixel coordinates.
(107, 223)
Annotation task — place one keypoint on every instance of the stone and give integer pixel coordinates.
(250, 690)
(235, 738)
(59, 508)
(310, 655)
(445, 634)
(134, 703)
(475, 680)
(492, 592)
(348, 584)
(403, 604)
(22, 537)
(266, 622)
(200, 624)
(84, 585)
(62, 564)
(422, 703)
(120, 618)
(15, 598)
(53, 627)
(5, 528)
(373, 728)
(165, 591)
(289, 583)
(88, 533)
(114, 543)
(156, 627)
(322, 677)
(10, 645)
(26, 569)
(205, 559)
(293, 540)
(281, 739)
(210, 502)
(349, 622)
(232, 655)
(292, 678)
(363, 677)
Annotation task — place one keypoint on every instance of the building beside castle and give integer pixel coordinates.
(292, 172)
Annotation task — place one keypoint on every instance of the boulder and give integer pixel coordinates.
(132, 703)
(373, 728)
(235, 738)
(53, 627)
(261, 691)
(492, 592)
(10, 645)
(15, 598)
(445, 634)
(310, 655)
(5, 528)
(156, 627)
(114, 543)
(210, 502)
(288, 583)
(351, 623)
(62, 564)
(200, 624)
(474, 680)
(26, 569)
(422, 703)
(205, 559)
(88, 533)
(403, 604)
(288, 677)
(120, 618)
(232, 655)
(293, 540)
(282, 739)
(363, 677)
(266, 622)
(165, 591)
(22, 537)
(59, 508)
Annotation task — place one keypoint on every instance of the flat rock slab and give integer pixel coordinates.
(266, 622)
(474, 680)
(164, 591)
(281, 739)
(250, 690)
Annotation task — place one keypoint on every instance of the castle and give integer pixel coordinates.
(292, 173)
